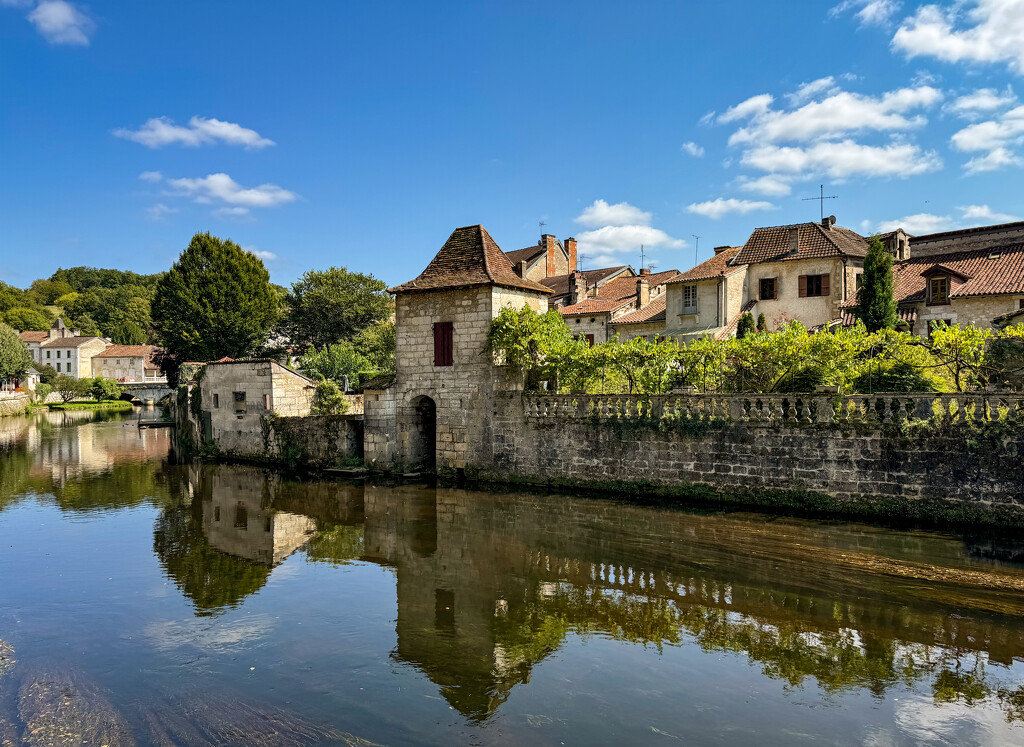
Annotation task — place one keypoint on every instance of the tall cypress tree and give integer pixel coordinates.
(876, 302)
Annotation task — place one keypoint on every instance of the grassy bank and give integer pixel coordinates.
(115, 405)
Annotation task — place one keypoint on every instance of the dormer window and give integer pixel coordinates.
(938, 290)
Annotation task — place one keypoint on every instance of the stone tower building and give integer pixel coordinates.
(436, 415)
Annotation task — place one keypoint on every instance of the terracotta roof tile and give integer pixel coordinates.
(652, 312)
(594, 306)
(716, 267)
(33, 335)
(69, 342)
(559, 284)
(469, 258)
(730, 329)
(773, 244)
(130, 351)
(518, 255)
(989, 271)
(625, 287)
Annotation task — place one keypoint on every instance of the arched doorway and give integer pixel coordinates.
(423, 442)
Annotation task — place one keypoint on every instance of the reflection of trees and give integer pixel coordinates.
(213, 580)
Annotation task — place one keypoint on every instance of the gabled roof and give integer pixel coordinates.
(625, 287)
(559, 284)
(33, 335)
(652, 312)
(69, 342)
(470, 258)
(942, 269)
(988, 271)
(518, 255)
(129, 351)
(594, 306)
(716, 267)
(773, 244)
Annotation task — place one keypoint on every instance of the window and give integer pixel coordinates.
(689, 299)
(216, 513)
(814, 285)
(938, 290)
(443, 353)
(1021, 304)
(216, 401)
(58, 354)
(47, 353)
(58, 368)
(241, 516)
(239, 402)
(590, 340)
(769, 289)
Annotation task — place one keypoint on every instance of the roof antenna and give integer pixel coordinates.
(821, 200)
(641, 256)
(542, 224)
(579, 261)
(695, 247)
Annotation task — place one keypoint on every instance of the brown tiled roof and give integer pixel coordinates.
(1016, 226)
(33, 335)
(469, 258)
(730, 329)
(559, 284)
(652, 312)
(772, 244)
(518, 255)
(594, 306)
(69, 342)
(716, 267)
(625, 287)
(129, 351)
(989, 271)
(907, 314)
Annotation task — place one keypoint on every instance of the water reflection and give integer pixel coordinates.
(490, 585)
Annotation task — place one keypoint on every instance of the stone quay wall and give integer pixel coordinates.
(950, 457)
(13, 403)
(314, 440)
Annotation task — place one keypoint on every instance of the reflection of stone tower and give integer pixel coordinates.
(453, 588)
(440, 402)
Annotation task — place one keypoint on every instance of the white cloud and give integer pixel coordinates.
(160, 131)
(752, 107)
(840, 160)
(919, 224)
(619, 214)
(984, 214)
(808, 91)
(231, 212)
(159, 211)
(840, 113)
(770, 184)
(693, 149)
(869, 12)
(222, 188)
(615, 239)
(151, 176)
(60, 22)
(997, 136)
(983, 100)
(260, 253)
(990, 31)
(992, 161)
(719, 207)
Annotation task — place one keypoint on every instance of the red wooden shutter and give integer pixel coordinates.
(803, 286)
(590, 340)
(825, 279)
(443, 352)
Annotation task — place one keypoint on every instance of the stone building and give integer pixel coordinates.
(547, 259)
(592, 314)
(707, 299)
(237, 395)
(128, 363)
(68, 351)
(436, 410)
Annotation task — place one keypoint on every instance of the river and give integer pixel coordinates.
(148, 602)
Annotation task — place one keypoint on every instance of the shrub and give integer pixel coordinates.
(43, 391)
(328, 399)
(105, 389)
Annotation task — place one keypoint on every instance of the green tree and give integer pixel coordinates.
(876, 302)
(105, 389)
(762, 323)
(328, 399)
(25, 319)
(128, 333)
(334, 305)
(47, 374)
(216, 301)
(745, 326)
(377, 344)
(69, 388)
(334, 363)
(14, 357)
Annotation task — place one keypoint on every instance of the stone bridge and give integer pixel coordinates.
(149, 392)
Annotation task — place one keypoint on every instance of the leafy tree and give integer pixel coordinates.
(128, 333)
(377, 344)
(334, 363)
(745, 326)
(961, 352)
(25, 319)
(47, 374)
(762, 323)
(105, 389)
(334, 305)
(69, 388)
(216, 301)
(14, 357)
(876, 302)
(328, 399)
(48, 291)
(43, 391)
(86, 325)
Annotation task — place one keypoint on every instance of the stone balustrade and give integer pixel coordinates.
(779, 409)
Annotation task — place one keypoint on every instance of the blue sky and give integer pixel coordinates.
(361, 134)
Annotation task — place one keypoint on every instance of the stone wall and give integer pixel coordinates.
(13, 403)
(810, 311)
(591, 324)
(953, 457)
(961, 241)
(976, 310)
(314, 440)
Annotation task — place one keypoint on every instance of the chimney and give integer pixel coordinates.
(570, 249)
(645, 270)
(550, 246)
(577, 286)
(828, 222)
(720, 249)
(794, 239)
(643, 290)
(521, 269)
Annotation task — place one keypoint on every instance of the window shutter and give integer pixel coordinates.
(803, 286)
(825, 290)
(438, 345)
(443, 348)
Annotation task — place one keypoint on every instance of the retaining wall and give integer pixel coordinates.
(13, 403)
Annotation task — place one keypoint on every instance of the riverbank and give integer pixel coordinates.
(13, 403)
(112, 405)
